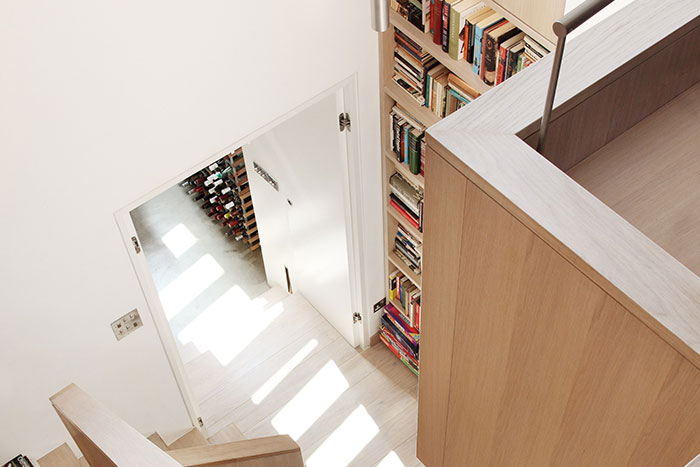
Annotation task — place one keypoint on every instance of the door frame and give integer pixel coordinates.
(348, 89)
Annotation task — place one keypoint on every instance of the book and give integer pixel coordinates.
(535, 47)
(457, 83)
(413, 366)
(472, 20)
(415, 138)
(426, 15)
(446, 9)
(403, 341)
(485, 23)
(456, 28)
(400, 209)
(410, 66)
(512, 59)
(434, 72)
(413, 194)
(494, 38)
(484, 43)
(436, 21)
(405, 328)
(439, 93)
(463, 35)
(401, 202)
(503, 50)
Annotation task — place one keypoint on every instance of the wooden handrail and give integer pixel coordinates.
(104, 438)
(278, 450)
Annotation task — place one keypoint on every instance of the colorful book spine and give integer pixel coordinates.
(445, 38)
(404, 214)
(453, 34)
(436, 20)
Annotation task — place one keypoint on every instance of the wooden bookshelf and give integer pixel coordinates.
(393, 94)
(397, 217)
(556, 11)
(416, 179)
(402, 98)
(401, 266)
(459, 67)
(399, 306)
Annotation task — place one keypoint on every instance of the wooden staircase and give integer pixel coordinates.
(62, 456)
(106, 440)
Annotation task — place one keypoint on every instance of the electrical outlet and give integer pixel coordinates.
(127, 324)
(379, 305)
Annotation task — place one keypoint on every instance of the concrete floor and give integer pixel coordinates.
(192, 263)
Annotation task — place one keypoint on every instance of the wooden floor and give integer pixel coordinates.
(298, 376)
(650, 175)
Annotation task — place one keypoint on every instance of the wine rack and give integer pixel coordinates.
(223, 192)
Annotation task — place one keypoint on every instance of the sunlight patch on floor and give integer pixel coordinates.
(347, 441)
(264, 390)
(311, 401)
(391, 460)
(188, 285)
(179, 239)
(229, 325)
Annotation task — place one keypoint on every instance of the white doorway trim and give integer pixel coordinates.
(353, 209)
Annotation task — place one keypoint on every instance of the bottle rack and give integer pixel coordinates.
(223, 192)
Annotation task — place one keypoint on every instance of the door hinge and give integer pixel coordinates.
(135, 242)
(356, 317)
(344, 121)
(201, 422)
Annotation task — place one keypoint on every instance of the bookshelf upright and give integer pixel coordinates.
(403, 238)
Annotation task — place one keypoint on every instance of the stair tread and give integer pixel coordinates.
(226, 435)
(158, 441)
(83, 462)
(191, 439)
(62, 456)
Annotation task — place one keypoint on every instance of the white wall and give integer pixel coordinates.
(100, 102)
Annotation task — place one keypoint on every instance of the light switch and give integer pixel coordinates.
(127, 324)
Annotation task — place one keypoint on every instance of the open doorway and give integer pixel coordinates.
(278, 363)
(200, 241)
(219, 295)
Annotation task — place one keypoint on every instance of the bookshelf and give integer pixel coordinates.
(393, 94)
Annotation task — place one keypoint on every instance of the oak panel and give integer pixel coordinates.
(444, 214)
(650, 175)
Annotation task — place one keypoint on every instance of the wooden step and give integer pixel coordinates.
(158, 441)
(226, 435)
(272, 451)
(62, 456)
(191, 439)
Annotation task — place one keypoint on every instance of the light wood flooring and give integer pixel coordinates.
(298, 376)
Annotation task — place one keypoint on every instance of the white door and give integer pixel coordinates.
(304, 225)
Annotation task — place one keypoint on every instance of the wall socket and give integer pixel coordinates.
(380, 304)
(127, 324)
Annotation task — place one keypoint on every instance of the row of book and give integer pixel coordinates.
(407, 200)
(401, 338)
(471, 31)
(408, 249)
(427, 80)
(407, 139)
(405, 292)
